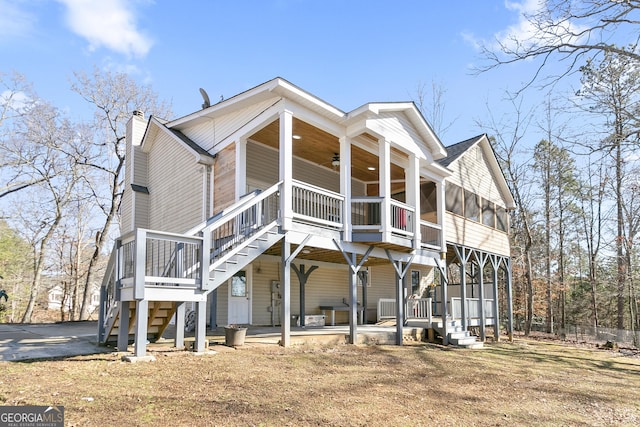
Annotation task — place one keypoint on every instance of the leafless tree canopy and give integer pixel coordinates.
(569, 32)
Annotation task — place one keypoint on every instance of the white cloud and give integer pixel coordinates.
(14, 22)
(107, 23)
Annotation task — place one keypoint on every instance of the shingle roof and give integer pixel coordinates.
(195, 147)
(456, 150)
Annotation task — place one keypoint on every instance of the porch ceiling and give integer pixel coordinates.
(320, 147)
(333, 256)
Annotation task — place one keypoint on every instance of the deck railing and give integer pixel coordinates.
(472, 306)
(415, 308)
(317, 205)
(366, 213)
(402, 218)
(430, 235)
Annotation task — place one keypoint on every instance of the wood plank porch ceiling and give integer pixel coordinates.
(334, 256)
(319, 147)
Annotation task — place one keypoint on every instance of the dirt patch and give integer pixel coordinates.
(521, 383)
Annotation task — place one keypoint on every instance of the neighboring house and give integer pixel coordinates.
(56, 295)
(366, 208)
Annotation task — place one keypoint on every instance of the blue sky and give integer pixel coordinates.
(345, 52)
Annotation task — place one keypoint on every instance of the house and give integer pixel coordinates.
(274, 205)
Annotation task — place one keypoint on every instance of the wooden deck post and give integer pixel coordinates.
(142, 317)
(285, 339)
(201, 326)
(481, 259)
(180, 313)
(401, 272)
(495, 265)
(507, 265)
(123, 327)
(303, 276)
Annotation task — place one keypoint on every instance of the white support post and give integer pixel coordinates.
(140, 264)
(286, 168)
(241, 167)
(345, 185)
(495, 266)
(353, 299)
(481, 259)
(201, 326)
(384, 153)
(413, 196)
(507, 265)
(440, 206)
(180, 313)
(142, 315)
(285, 301)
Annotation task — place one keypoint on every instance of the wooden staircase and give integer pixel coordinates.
(160, 314)
(457, 336)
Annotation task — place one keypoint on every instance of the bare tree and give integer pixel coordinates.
(114, 96)
(507, 135)
(53, 148)
(432, 105)
(568, 32)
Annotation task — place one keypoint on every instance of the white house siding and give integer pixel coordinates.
(472, 172)
(136, 173)
(175, 186)
(397, 129)
(209, 133)
(475, 235)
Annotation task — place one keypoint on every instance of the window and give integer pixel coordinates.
(488, 213)
(239, 285)
(454, 198)
(428, 198)
(502, 219)
(415, 282)
(471, 206)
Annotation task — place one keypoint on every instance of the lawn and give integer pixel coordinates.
(520, 383)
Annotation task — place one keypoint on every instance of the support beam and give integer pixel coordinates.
(354, 267)
(286, 169)
(142, 319)
(495, 266)
(481, 260)
(201, 326)
(180, 321)
(507, 265)
(123, 327)
(442, 267)
(303, 276)
(401, 272)
(463, 255)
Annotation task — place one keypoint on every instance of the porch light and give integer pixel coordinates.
(296, 137)
(371, 168)
(335, 161)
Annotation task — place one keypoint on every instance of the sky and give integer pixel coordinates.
(346, 53)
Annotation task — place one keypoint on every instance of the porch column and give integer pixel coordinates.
(507, 266)
(384, 154)
(286, 170)
(345, 186)
(463, 255)
(495, 265)
(441, 263)
(413, 196)
(285, 302)
(303, 276)
(123, 327)
(440, 206)
(201, 326)
(481, 259)
(401, 272)
(241, 167)
(180, 312)
(353, 300)
(142, 318)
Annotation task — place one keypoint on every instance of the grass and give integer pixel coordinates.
(520, 383)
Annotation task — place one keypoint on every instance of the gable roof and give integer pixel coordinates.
(456, 151)
(155, 125)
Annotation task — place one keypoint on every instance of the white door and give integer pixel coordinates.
(240, 298)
